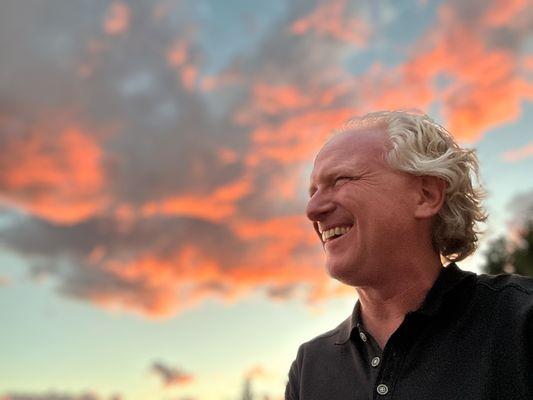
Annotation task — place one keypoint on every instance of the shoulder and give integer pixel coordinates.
(506, 284)
(326, 350)
(508, 295)
(327, 343)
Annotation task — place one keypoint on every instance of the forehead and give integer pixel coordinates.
(360, 148)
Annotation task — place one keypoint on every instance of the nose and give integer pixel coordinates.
(318, 206)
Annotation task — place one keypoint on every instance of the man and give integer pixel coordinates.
(391, 196)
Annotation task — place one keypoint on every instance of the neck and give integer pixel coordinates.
(384, 306)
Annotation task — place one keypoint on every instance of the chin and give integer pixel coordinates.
(341, 272)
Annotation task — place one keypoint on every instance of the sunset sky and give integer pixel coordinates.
(154, 168)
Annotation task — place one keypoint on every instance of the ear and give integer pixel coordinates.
(431, 193)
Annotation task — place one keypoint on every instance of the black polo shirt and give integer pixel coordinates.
(471, 339)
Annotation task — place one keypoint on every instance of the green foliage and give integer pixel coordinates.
(519, 259)
(522, 257)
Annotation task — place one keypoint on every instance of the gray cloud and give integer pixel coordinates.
(171, 376)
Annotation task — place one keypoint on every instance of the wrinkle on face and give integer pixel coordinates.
(377, 203)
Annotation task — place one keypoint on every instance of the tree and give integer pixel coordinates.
(518, 259)
(497, 257)
(522, 257)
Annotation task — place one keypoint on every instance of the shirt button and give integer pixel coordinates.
(375, 361)
(363, 336)
(382, 389)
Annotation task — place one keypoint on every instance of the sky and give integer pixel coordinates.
(155, 164)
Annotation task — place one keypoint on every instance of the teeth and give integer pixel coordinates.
(334, 231)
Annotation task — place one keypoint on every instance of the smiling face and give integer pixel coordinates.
(362, 209)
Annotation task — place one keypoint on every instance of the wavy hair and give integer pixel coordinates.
(420, 146)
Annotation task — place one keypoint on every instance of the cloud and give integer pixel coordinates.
(171, 376)
(117, 19)
(333, 19)
(55, 172)
(181, 58)
(460, 62)
(479, 61)
(516, 155)
(502, 12)
(218, 204)
(155, 165)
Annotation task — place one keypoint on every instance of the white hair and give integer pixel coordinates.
(420, 146)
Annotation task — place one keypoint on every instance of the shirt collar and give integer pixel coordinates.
(449, 278)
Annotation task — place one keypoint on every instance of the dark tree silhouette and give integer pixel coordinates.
(518, 258)
(497, 257)
(522, 256)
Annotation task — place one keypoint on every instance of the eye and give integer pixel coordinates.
(341, 180)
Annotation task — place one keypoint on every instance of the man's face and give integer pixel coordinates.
(361, 208)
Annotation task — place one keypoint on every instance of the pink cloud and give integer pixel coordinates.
(54, 174)
(117, 19)
(332, 19)
(501, 12)
(214, 206)
(519, 154)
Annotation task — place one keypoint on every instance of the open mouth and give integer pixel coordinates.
(334, 233)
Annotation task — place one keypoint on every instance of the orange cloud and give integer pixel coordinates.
(209, 83)
(296, 138)
(270, 99)
(189, 76)
(519, 154)
(289, 229)
(481, 88)
(501, 12)
(279, 257)
(153, 302)
(453, 52)
(178, 53)
(460, 68)
(56, 175)
(397, 88)
(179, 57)
(160, 286)
(332, 19)
(219, 204)
(117, 19)
(485, 88)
